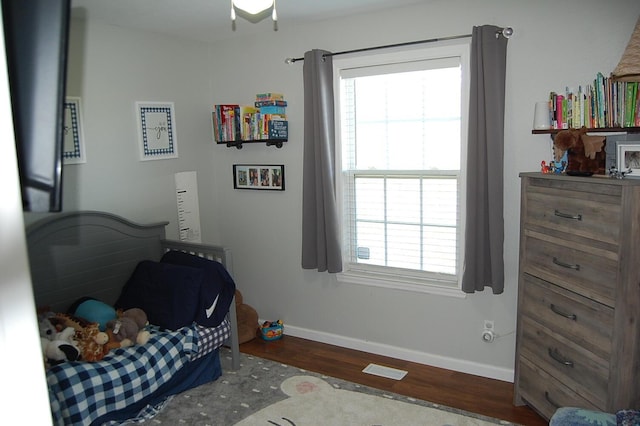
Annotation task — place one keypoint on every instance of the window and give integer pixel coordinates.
(402, 131)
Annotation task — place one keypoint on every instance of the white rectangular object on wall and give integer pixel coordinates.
(188, 206)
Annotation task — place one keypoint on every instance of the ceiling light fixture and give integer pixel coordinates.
(254, 11)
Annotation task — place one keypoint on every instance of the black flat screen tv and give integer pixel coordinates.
(36, 34)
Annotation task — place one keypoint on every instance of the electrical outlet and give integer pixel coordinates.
(488, 334)
(488, 325)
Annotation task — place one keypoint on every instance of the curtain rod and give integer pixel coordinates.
(506, 32)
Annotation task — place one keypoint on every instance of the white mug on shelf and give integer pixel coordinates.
(541, 118)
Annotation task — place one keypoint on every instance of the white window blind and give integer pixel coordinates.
(401, 138)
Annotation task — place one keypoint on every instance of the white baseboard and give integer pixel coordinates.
(469, 367)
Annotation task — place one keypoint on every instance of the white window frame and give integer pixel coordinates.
(395, 278)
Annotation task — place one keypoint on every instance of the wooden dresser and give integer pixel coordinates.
(578, 338)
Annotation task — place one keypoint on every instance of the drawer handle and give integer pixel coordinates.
(567, 215)
(566, 265)
(556, 356)
(563, 314)
(550, 401)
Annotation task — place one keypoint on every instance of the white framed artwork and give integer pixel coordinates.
(73, 151)
(156, 130)
(628, 157)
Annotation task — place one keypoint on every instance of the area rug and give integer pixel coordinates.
(264, 392)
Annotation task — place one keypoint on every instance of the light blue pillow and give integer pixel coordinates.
(95, 311)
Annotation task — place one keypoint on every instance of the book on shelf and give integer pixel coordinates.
(226, 121)
(233, 122)
(278, 129)
(269, 96)
(273, 110)
(602, 104)
(279, 103)
(248, 115)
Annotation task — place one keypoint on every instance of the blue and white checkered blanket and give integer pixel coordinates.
(80, 392)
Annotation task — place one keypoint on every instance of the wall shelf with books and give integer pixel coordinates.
(603, 105)
(590, 130)
(269, 142)
(263, 122)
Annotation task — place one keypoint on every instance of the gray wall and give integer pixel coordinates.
(556, 44)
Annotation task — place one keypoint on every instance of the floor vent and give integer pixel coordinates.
(382, 371)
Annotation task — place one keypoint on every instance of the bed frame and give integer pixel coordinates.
(91, 253)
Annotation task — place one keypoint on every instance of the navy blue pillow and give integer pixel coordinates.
(217, 289)
(168, 294)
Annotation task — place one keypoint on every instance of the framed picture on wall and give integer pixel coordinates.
(269, 177)
(73, 143)
(628, 157)
(156, 130)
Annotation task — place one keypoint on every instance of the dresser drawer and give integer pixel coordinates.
(588, 272)
(586, 323)
(594, 216)
(544, 392)
(572, 365)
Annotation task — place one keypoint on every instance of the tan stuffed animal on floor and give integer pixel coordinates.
(247, 320)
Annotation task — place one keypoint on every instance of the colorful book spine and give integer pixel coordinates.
(630, 104)
(560, 113)
(637, 120)
(552, 110)
(247, 114)
(216, 125)
(273, 110)
(227, 117)
(270, 96)
(279, 103)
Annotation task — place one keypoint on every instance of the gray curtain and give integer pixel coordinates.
(320, 228)
(484, 262)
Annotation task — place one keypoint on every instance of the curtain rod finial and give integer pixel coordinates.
(289, 61)
(507, 32)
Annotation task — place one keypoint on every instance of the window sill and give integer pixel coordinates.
(400, 282)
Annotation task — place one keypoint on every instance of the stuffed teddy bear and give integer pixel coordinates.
(585, 154)
(136, 314)
(57, 347)
(247, 319)
(127, 329)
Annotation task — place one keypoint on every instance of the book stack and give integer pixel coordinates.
(604, 103)
(272, 108)
(264, 120)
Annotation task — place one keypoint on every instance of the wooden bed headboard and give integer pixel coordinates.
(93, 254)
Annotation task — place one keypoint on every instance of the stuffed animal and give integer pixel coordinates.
(126, 331)
(90, 340)
(247, 319)
(585, 154)
(136, 314)
(57, 347)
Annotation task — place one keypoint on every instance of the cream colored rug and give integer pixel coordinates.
(313, 401)
(268, 393)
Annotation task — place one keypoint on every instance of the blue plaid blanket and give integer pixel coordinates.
(80, 392)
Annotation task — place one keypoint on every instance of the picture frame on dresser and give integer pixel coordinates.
(628, 159)
(611, 149)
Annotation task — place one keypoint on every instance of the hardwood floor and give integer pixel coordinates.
(488, 397)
